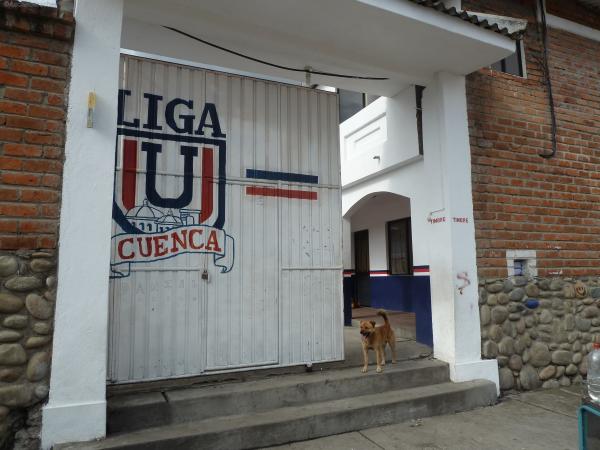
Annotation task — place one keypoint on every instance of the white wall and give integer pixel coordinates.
(572, 27)
(381, 137)
(407, 181)
(373, 215)
(386, 128)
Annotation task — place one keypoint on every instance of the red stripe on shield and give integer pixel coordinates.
(129, 173)
(206, 208)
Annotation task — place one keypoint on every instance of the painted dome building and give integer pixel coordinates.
(168, 221)
(144, 217)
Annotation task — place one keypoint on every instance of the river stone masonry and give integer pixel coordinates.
(27, 293)
(540, 330)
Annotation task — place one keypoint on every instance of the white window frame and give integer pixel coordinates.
(530, 256)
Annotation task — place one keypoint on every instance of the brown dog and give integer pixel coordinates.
(375, 338)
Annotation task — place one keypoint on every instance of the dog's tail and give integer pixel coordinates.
(382, 313)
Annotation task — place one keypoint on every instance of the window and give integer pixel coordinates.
(512, 64)
(352, 102)
(399, 247)
(521, 263)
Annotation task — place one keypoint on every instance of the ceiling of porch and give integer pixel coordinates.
(395, 39)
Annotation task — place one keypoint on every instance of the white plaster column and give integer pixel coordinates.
(76, 409)
(454, 302)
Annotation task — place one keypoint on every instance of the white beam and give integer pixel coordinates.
(76, 410)
(572, 27)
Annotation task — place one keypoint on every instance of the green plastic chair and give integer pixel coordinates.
(582, 416)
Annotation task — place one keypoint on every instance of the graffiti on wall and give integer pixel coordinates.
(464, 277)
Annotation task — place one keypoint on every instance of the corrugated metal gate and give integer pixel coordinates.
(226, 249)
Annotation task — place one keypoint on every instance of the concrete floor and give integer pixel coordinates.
(403, 323)
(541, 420)
(406, 349)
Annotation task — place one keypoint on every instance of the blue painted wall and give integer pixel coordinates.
(348, 293)
(397, 293)
(394, 292)
(422, 306)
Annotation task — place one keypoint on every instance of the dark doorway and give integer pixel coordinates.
(362, 287)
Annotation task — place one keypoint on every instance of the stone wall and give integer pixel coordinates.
(540, 330)
(27, 295)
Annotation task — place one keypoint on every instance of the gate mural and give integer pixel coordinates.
(156, 226)
(226, 242)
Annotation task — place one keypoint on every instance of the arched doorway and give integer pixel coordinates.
(386, 266)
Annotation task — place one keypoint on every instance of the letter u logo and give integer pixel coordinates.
(153, 196)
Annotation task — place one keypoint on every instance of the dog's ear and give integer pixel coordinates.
(373, 322)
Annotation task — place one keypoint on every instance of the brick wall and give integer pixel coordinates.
(35, 46)
(521, 200)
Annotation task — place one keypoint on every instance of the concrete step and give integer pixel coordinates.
(297, 423)
(134, 412)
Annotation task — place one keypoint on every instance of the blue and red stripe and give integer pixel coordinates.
(417, 270)
(423, 270)
(281, 176)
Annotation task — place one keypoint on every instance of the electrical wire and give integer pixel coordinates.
(544, 33)
(277, 66)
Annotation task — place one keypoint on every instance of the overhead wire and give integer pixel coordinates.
(270, 64)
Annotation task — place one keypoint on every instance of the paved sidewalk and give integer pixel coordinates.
(541, 420)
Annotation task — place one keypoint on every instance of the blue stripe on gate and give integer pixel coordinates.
(281, 176)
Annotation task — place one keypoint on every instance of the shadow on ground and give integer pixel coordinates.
(407, 349)
(541, 420)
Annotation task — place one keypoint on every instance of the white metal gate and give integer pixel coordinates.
(226, 224)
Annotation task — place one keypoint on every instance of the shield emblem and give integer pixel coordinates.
(169, 183)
